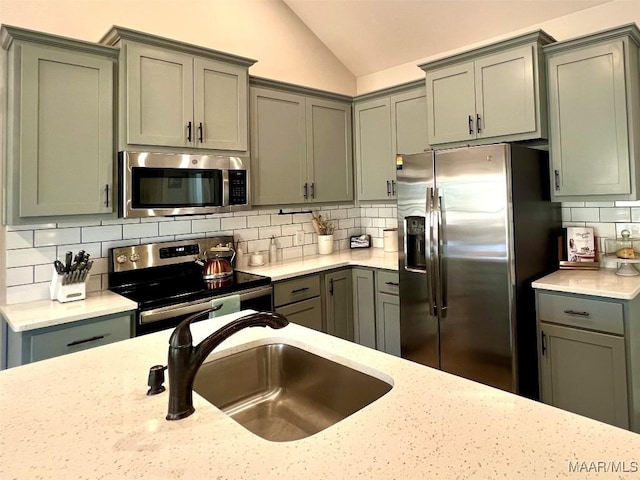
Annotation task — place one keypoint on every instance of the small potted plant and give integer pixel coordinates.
(324, 229)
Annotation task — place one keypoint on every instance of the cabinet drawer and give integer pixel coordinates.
(387, 282)
(581, 312)
(295, 290)
(307, 313)
(80, 337)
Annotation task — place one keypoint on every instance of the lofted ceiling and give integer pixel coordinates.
(369, 36)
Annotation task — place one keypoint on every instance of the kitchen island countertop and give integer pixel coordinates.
(364, 257)
(86, 415)
(601, 283)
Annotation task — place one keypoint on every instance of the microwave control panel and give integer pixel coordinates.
(238, 187)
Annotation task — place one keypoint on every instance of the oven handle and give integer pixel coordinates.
(163, 313)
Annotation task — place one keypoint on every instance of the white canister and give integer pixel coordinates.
(390, 239)
(325, 244)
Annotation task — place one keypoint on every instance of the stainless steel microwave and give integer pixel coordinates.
(166, 184)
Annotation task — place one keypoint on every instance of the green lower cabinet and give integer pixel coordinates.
(307, 313)
(589, 356)
(364, 307)
(43, 343)
(388, 323)
(338, 303)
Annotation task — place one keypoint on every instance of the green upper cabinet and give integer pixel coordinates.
(387, 123)
(303, 138)
(59, 126)
(594, 107)
(491, 94)
(175, 95)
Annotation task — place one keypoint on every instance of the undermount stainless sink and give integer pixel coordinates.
(281, 392)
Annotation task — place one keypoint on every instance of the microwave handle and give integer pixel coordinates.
(225, 187)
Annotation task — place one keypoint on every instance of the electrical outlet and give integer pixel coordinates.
(299, 238)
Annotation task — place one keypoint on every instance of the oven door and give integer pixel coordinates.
(149, 321)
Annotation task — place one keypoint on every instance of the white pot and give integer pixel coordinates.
(325, 244)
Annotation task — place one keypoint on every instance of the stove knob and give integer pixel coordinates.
(121, 258)
(134, 257)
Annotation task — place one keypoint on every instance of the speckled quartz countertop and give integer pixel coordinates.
(86, 415)
(44, 313)
(601, 283)
(369, 257)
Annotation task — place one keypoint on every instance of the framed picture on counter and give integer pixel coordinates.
(577, 248)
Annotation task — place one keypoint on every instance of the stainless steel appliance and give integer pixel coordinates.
(168, 285)
(163, 184)
(474, 228)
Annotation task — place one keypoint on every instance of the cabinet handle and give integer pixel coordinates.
(189, 132)
(313, 190)
(577, 313)
(305, 191)
(393, 284)
(478, 129)
(106, 195)
(86, 340)
(388, 188)
(298, 290)
(393, 188)
(543, 342)
(470, 125)
(200, 130)
(556, 174)
(331, 287)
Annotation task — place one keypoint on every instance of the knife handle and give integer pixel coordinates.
(67, 261)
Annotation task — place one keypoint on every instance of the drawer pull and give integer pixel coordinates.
(577, 313)
(298, 290)
(393, 284)
(86, 340)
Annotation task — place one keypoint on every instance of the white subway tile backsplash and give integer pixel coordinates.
(259, 221)
(21, 275)
(635, 214)
(20, 239)
(585, 214)
(599, 204)
(628, 203)
(29, 261)
(177, 227)
(392, 223)
(619, 214)
(232, 223)
(58, 236)
(377, 242)
(573, 204)
(30, 256)
(205, 225)
(140, 230)
(566, 214)
(603, 229)
(101, 234)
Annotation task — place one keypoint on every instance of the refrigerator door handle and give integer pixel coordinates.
(438, 262)
(428, 251)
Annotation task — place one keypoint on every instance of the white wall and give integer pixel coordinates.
(601, 17)
(265, 30)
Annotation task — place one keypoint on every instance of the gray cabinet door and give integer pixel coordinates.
(388, 323)
(584, 372)
(329, 159)
(278, 147)
(159, 97)
(451, 104)
(375, 160)
(589, 144)
(220, 105)
(338, 302)
(65, 133)
(409, 122)
(364, 312)
(505, 93)
(307, 313)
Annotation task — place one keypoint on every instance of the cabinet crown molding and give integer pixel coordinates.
(539, 36)
(629, 30)
(9, 34)
(298, 89)
(117, 33)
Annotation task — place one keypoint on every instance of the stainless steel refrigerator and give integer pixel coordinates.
(475, 227)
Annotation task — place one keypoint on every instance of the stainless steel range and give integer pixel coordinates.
(168, 285)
